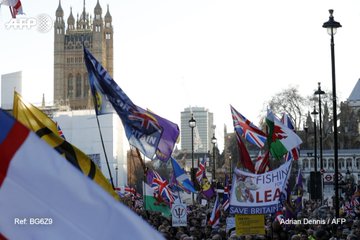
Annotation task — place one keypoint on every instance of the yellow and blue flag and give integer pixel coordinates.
(37, 121)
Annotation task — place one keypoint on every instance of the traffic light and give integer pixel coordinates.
(315, 189)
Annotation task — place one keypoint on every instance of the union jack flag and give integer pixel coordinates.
(215, 214)
(226, 197)
(294, 153)
(201, 170)
(162, 189)
(60, 132)
(247, 129)
(144, 122)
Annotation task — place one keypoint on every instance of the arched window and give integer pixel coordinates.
(70, 87)
(331, 163)
(341, 163)
(312, 163)
(86, 85)
(325, 163)
(357, 163)
(305, 164)
(348, 163)
(78, 85)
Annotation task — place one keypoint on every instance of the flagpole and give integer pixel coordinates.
(12, 12)
(101, 138)
(103, 146)
(142, 162)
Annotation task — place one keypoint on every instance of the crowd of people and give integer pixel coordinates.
(198, 227)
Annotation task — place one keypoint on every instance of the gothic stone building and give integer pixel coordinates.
(71, 86)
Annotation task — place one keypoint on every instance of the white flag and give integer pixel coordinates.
(44, 197)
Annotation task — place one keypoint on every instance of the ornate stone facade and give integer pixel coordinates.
(71, 85)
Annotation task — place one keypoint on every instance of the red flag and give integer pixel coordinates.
(244, 156)
(215, 214)
(262, 163)
(14, 6)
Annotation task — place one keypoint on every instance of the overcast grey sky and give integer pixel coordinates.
(171, 54)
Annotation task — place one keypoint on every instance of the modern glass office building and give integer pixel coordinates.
(203, 131)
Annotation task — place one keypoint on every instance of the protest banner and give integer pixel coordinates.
(259, 193)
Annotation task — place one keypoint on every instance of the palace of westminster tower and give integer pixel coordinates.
(71, 85)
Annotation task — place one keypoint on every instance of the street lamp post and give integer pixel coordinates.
(331, 27)
(230, 166)
(192, 125)
(116, 172)
(320, 92)
(315, 140)
(213, 140)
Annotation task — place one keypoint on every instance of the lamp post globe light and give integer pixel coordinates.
(331, 25)
(213, 141)
(192, 125)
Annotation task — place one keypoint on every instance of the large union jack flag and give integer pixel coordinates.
(162, 189)
(247, 129)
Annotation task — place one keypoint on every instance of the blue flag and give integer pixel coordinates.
(145, 130)
(181, 178)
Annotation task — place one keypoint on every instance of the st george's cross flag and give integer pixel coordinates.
(38, 186)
